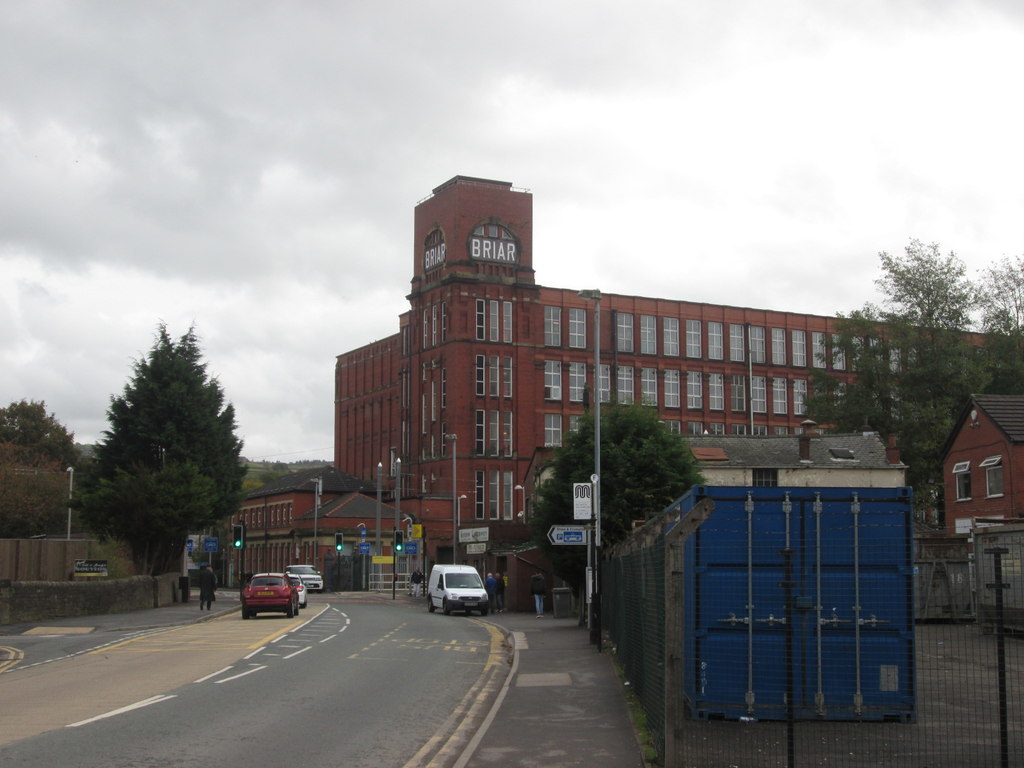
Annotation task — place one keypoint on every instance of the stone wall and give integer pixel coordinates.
(25, 601)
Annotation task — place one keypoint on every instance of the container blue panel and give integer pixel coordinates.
(850, 558)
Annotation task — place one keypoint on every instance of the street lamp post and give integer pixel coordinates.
(71, 490)
(455, 502)
(398, 506)
(455, 544)
(317, 487)
(380, 471)
(595, 540)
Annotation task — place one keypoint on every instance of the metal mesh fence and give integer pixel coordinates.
(814, 627)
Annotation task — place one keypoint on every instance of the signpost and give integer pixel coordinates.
(567, 534)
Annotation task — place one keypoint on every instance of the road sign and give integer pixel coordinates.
(412, 547)
(210, 544)
(364, 547)
(582, 505)
(189, 544)
(567, 534)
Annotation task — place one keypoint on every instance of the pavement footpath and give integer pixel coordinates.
(562, 703)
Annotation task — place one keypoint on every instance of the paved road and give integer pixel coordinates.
(352, 683)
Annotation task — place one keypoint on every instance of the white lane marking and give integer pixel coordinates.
(212, 674)
(122, 710)
(291, 655)
(246, 658)
(241, 674)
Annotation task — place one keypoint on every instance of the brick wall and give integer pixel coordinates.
(24, 601)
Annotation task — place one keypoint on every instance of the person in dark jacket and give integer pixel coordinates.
(499, 593)
(207, 587)
(537, 589)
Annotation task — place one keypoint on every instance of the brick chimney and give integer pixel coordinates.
(892, 453)
(805, 438)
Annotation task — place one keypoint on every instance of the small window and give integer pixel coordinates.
(962, 474)
(993, 467)
(842, 454)
(765, 478)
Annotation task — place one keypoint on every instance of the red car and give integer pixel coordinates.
(267, 592)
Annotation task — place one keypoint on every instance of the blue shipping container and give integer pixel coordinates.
(820, 576)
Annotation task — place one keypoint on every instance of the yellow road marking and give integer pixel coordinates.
(58, 631)
(9, 657)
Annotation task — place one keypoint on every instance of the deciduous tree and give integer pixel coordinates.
(644, 468)
(914, 362)
(35, 452)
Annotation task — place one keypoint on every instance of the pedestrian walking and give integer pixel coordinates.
(499, 593)
(417, 580)
(207, 587)
(537, 589)
(490, 584)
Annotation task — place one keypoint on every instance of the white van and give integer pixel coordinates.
(456, 588)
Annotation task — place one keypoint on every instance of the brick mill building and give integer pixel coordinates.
(489, 370)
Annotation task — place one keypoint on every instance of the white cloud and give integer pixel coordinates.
(252, 168)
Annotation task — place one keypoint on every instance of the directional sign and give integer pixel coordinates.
(567, 534)
(210, 544)
(364, 547)
(412, 547)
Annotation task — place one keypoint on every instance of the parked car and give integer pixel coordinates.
(269, 592)
(299, 587)
(310, 576)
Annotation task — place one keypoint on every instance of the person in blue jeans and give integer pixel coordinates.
(490, 584)
(537, 589)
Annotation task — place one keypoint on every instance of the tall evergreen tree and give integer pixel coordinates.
(644, 468)
(170, 462)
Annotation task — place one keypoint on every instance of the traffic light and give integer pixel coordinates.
(339, 541)
(399, 541)
(238, 536)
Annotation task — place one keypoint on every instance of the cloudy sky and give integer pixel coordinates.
(251, 168)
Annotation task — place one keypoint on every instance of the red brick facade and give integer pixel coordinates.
(487, 355)
(983, 464)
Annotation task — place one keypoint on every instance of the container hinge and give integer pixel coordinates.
(874, 621)
(733, 619)
(834, 620)
(771, 620)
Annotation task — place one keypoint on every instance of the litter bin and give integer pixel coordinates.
(561, 600)
(183, 588)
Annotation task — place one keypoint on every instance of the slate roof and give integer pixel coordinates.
(334, 481)
(1007, 411)
(862, 450)
(354, 505)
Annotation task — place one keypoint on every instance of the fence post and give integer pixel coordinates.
(998, 585)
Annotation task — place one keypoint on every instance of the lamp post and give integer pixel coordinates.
(380, 471)
(455, 543)
(398, 506)
(71, 489)
(595, 540)
(317, 486)
(455, 502)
